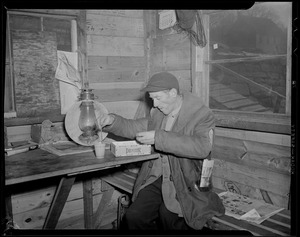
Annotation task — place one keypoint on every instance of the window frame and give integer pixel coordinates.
(10, 118)
(255, 121)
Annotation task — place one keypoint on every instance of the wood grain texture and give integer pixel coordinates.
(35, 60)
(127, 109)
(260, 155)
(116, 69)
(171, 52)
(120, 12)
(250, 176)
(119, 94)
(249, 191)
(114, 46)
(114, 26)
(88, 203)
(38, 164)
(255, 164)
(58, 202)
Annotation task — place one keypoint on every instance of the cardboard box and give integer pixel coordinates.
(129, 148)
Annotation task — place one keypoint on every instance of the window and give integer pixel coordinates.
(249, 62)
(22, 24)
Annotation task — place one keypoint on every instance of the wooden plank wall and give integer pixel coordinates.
(254, 164)
(172, 53)
(116, 54)
(30, 208)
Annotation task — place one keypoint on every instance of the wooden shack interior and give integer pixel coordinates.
(245, 80)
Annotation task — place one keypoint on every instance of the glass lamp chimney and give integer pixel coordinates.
(87, 119)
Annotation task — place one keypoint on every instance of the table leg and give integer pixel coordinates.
(106, 197)
(58, 202)
(88, 203)
(8, 206)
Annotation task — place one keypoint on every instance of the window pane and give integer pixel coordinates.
(249, 86)
(247, 56)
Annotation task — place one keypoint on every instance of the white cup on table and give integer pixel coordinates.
(99, 149)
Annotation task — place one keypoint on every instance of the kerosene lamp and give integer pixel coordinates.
(87, 120)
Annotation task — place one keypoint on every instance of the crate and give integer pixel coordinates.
(129, 148)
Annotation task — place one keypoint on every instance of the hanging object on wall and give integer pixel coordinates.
(185, 22)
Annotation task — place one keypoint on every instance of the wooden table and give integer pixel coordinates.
(39, 164)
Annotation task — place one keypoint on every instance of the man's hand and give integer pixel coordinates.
(146, 137)
(106, 119)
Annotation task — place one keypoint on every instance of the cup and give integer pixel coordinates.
(99, 149)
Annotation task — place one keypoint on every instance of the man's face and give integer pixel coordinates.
(164, 100)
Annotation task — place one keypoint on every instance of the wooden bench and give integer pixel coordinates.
(277, 225)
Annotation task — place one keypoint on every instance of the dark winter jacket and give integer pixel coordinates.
(186, 146)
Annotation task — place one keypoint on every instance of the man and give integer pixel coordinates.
(167, 192)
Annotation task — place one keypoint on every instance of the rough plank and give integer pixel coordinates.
(87, 203)
(269, 138)
(127, 75)
(118, 95)
(115, 63)
(116, 69)
(117, 85)
(114, 46)
(58, 202)
(249, 191)
(171, 52)
(35, 60)
(123, 13)
(255, 177)
(34, 216)
(256, 154)
(126, 109)
(114, 26)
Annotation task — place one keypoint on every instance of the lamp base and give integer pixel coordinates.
(88, 137)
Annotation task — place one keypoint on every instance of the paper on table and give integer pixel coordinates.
(69, 79)
(245, 208)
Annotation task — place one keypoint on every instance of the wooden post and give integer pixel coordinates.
(199, 71)
(81, 33)
(88, 203)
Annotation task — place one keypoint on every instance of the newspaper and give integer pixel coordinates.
(245, 208)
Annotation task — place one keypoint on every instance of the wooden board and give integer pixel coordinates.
(250, 176)
(114, 46)
(270, 138)
(255, 164)
(126, 109)
(120, 12)
(35, 217)
(116, 69)
(114, 26)
(256, 154)
(250, 191)
(39, 164)
(119, 94)
(171, 52)
(35, 60)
